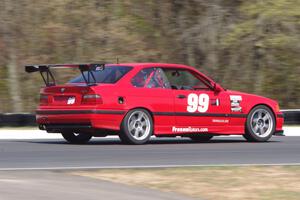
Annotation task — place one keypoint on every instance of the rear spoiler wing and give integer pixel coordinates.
(49, 79)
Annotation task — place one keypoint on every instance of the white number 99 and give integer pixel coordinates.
(198, 103)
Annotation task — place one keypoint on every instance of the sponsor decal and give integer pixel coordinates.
(220, 120)
(188, 129)
(235, 101)
(235, 97)
(99, 68)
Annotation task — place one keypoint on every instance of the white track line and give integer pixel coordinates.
(144, 166)
(38, 134)
(291, 130)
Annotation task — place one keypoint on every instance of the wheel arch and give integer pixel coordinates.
(139, 107)
(262, 104)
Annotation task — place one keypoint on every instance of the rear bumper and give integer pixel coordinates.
(58, 128)
(100, 119)
(69, 112)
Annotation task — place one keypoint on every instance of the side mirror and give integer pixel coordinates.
(217, 87)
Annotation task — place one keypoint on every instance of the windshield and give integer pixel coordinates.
(110, 74)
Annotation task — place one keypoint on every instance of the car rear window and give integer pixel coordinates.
(110, 74)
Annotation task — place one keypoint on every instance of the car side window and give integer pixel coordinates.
(182, 79)
(151, 78)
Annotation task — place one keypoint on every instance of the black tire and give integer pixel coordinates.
(201, 138)
(135, 130)
(255, 129)
(76, 138)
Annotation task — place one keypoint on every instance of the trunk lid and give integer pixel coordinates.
(65, 95)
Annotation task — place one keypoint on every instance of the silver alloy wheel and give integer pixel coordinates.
(261, 123)
(139, 125)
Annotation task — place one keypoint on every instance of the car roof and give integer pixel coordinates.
(142, 65)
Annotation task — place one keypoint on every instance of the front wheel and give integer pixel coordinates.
(260, 125)
(137, 127)
(76, 138)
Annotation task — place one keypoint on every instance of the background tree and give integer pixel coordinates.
(252, 46)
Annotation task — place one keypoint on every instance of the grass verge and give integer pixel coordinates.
(217, 183)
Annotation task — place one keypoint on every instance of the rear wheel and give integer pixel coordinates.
(137, 127)
(201, 138)
(260, 125)
(76, 138)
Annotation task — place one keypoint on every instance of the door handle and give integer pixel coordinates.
(181, 96)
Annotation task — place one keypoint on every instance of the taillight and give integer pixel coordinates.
(43, 99)
(91, 99)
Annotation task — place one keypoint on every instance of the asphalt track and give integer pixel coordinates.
(49, 185)
(110, 153)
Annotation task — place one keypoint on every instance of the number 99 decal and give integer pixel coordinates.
(197, 103)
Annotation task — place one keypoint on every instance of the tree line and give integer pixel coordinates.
(252, 46)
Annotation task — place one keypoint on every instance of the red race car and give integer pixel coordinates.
(138, 100)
